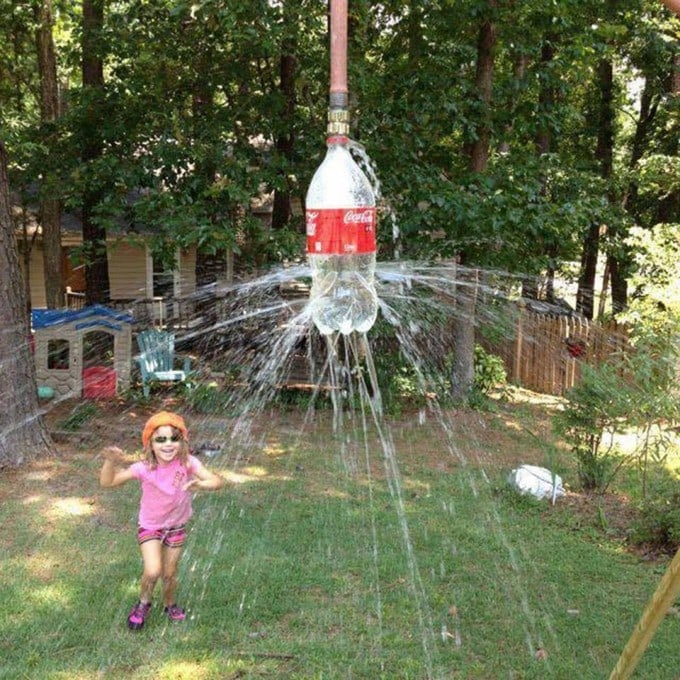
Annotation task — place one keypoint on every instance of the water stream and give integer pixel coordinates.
(417, 302)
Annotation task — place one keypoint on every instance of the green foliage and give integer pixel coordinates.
(616, 397)
(192, 118)
(207, 397)
(639, 389)
(659, 523)
(300, 399)
(81, 413)
(489, 371)
(594, 407)
(404, 385)
(398, 382)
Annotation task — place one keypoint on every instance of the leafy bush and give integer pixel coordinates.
(594, 407)
(80, 414)
(489, 371)
(659, 522)
(206, 397)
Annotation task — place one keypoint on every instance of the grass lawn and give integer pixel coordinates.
(395, 554)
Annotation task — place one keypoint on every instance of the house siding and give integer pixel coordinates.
(36, 273)
(187, 272)
(130, 273)
(127, 271)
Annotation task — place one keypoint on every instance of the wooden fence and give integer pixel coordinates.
(547, 351)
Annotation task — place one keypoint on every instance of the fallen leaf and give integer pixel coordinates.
(453, 610)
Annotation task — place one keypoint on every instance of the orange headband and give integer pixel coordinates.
(160, 419)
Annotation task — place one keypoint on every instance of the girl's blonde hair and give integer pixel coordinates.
(183, 455)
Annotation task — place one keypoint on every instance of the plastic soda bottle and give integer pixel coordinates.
(341, 223)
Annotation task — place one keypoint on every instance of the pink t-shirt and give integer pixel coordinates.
(164, 504)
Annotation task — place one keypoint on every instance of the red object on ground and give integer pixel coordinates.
(99, 382)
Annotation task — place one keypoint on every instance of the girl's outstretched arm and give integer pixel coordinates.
(110, 475)
(204, 479)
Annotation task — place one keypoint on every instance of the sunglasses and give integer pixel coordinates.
(162, 440)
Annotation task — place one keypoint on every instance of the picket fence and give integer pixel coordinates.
(547, 351)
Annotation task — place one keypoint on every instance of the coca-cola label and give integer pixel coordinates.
(340, 231)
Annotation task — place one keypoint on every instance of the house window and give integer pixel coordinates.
(163, 279)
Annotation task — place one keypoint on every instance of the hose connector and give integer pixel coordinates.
(338, 122)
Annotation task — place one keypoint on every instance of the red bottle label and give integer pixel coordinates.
(340, 231)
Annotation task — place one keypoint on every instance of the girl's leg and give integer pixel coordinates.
(153, 559)
(171, 557)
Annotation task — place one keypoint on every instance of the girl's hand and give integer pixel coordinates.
(192, 484)
(112, 454)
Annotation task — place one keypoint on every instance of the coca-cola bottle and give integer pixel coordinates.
(341, 220)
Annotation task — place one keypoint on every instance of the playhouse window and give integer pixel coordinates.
(58, 354)
(98, 348)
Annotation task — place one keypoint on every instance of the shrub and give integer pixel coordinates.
(80, 414)
(594, 406)
(489, 371)
(207, 397)
(659, 522)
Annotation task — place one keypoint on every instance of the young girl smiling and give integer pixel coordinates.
(168, 474)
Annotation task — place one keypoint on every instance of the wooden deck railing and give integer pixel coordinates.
(73, 300)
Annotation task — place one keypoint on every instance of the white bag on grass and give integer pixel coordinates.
(537, 481)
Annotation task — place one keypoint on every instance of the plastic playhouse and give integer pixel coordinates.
(82, 353)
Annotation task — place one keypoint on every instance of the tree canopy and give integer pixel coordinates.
(203, 105)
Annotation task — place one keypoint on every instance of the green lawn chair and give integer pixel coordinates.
(157, 359)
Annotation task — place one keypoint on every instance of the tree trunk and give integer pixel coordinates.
(209, 266)
(546, 99)
(462, 372)
(604, 153)
(285, 141)
(463, 332)
(478, 150)
(285, 137)
(585, 294)
(544, 145)
(23, 435)
(619, 284)
(520, 64)
(669, 206)
(94, 235)
(50, 208)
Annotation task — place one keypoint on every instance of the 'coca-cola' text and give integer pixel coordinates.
(340, 231)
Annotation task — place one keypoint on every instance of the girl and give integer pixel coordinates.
(168, 474)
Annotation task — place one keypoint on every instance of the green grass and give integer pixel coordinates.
(322, 566)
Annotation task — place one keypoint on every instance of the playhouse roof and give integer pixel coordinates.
(83, 318)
